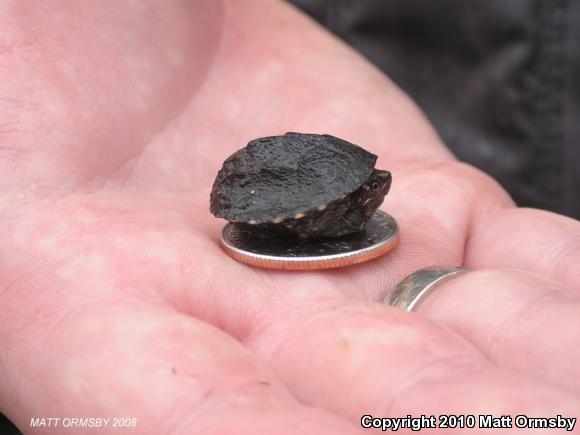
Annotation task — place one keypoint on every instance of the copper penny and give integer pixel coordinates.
(379, 236)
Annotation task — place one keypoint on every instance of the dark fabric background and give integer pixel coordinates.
(499, 79)
(7, 428)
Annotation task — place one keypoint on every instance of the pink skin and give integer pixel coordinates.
(117, 301)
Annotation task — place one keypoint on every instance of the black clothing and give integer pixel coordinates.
(499, 79)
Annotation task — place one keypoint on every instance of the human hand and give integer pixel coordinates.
(117, 301)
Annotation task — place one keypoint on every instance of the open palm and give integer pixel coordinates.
(117, 301)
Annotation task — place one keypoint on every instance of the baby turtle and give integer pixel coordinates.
(308, 186)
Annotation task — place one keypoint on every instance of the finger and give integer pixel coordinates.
(516, 319)
(538, 241)
(154, 370)
(359, 359)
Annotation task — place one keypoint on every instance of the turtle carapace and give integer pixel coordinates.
(304, 185)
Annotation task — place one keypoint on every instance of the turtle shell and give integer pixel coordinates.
(275, 178)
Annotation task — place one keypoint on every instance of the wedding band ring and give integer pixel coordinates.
(412, 290)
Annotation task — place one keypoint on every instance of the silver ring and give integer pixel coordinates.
(411, 291)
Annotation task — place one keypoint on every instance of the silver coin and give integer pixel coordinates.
(379, 236)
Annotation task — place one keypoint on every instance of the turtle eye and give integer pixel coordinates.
(375, 186)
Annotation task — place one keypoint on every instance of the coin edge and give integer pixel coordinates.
(323, 262)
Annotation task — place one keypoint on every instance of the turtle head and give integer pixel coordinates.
(375, 189)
